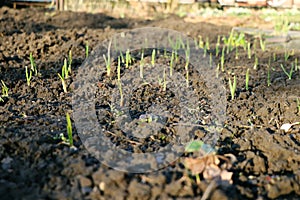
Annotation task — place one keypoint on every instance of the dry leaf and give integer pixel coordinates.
(196, 165)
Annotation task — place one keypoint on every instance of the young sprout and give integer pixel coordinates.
(296, 64)
(65, 70)
(172, 63)
(69, 129)
(119, 81)
(232, 87)
(249, 50)
(274, 57)
(153, 57)
(86, 49)
(286, 55)
(165, 81)
(108, 60)
(33, 65)
(223, 59)
(255, 62)
(289, 74)
(28, 74)
(247, 79)
(63, 82)
(269, 73)
(262, 43)
(122, 57)
(236, 53)
(128, 58)
(142, 65)
(210, 59)
(4, 89)
(218, 45)
(187, 59)
(201, 43)
(70, 62)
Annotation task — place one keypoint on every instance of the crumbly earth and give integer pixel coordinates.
(35, 165)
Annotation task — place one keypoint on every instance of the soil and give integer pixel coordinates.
(37, 165)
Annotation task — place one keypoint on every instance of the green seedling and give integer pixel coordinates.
(86, 49)
(290, 73)
(218, 45)
(122, 57)
(33, 65)
(249, 50)
(28, 74)
(65, 70)
(165, 81)
(234, 40)
(128, 58)
(172, 63)
(247, 79)
(69, 129)
(63, 82)
(201, 43)
(262, 43)
(236, 53)
(210, 59)
(153, 57)
(108, 60)
(223, 59)
(269, 73)
(4, 89)
(232, 87)
(119, 82)
(255, 62)
(296, 64)
(70, 62)
(142, 63)
(187, 59)
(286, 55)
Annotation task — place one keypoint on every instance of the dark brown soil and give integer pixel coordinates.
(35, 165)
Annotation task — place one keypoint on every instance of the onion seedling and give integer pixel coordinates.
(187, 58)
(223, 59)
(296, 65)
(236, 52)
(153, 57)
(63, 82)
(172, 63)
(86, 49)
(286, 55)
(269, 73)
(28, 74)
(274, 57)
(69, 129)
(4, 89)
(119, 81)
(255, 62)
(33, 65)
(201, 43)
(127, 58)
(262, 43)
(249, 50)
(65, 70)
(247, 79)
(108, 61)
(218, 45)
(142, 65)
(165, 81)
(232, 87)
(289, 74)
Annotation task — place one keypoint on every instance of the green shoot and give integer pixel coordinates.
(142, 65)
(119, 82)
(210, 59)
(4, 89)
(70, 62)
(249, 50)
(218, 45)
(223, 59)
(201, 43)
(247, 79)
(296, 64)
(28, 74)
(128, 58)
(165, 81)
(232, 87)
(172, 63)
(286, 55)
(33, 65)
(86, 49)
(187, 58)
(236, 53)
(289, 74)
(122, 57)
(274, 57)
(255, 62)
(63, 82)
(108, 61)
(69, 129)
(262, 43)
(64, 70)
(153, 57)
